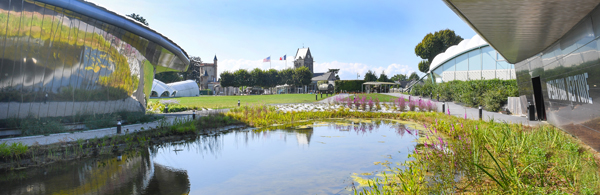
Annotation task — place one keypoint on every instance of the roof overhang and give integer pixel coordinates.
(520, 29)
(100, 13)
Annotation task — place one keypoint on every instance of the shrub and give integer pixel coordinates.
(348, 85)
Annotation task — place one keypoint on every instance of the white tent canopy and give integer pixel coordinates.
(185, 88)
(161, 89)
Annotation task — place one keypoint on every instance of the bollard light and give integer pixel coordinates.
(444, 107)
(480, 113)
(316, 97)
(166, 109)
(321, 95)
(238, 103)
(194, 114)
(119, 127)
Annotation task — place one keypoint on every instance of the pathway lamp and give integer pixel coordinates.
(444, 107)
(194, 114)
(119, 127)
(238, 103)
(480, 113)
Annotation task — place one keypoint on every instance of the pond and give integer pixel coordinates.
(318, 158)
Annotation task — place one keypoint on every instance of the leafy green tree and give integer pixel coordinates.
(273, 78)
(302, 76)
(257, 78)
(242, 77)
(138, 18)
(370, 76)
(383, 77)
(399, 77)
(414, 76)
(193, 71)
(286, 76)
(227, 79)
(433, 44)
(424, 66)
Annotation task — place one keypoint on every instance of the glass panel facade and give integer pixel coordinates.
(475, 60)
(56, 62)
(488, 58)
(462, 63)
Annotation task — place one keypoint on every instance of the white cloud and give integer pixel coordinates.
(348, 71)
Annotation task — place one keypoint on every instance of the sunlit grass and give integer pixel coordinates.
(214, 102)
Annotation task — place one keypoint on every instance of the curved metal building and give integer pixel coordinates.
(555, 46)
(68, 57)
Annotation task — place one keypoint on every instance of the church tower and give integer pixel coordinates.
(304, 58)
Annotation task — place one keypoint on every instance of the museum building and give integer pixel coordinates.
(554, 45)
(68, 57)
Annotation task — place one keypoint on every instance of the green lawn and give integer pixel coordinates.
(382, 97)
(231, 101)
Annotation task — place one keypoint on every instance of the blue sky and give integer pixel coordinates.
(354, 36)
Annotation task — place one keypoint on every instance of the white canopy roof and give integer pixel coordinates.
(159, 87)
(464, 46)
(185, 88)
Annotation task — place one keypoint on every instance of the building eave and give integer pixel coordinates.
(519, 29)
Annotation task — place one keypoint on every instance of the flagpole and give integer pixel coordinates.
(269, 62)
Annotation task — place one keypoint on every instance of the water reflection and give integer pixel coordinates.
(317, 158)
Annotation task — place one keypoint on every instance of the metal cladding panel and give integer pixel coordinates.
(569, 72)
(57, 62)
(519, 29)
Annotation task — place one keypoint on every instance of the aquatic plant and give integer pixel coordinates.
(401, 104)
(412, 105)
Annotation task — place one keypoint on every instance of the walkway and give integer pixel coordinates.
(98, 133)
(473, 113)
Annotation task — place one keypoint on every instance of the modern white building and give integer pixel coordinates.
(471, 59)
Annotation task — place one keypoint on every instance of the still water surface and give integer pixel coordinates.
(314, 159)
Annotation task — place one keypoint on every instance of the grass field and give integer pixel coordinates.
(382, 97)
(231, 101)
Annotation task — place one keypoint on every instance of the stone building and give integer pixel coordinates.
(208, 73)
(304, 58)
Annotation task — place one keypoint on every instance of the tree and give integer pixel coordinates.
(383, 77)
(242, 77)
(193, 71)
(227, 79)
(285, 76)
(424, 66)
(302, 76)
(257, 78)
(433, 44)
(273, 78)
(399, 77)
(414, 76)
(370, 76)
(138, 18)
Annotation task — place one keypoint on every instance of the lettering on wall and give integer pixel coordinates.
(572, 88)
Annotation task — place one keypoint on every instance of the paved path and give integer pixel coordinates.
(473, 113)
(98, 133)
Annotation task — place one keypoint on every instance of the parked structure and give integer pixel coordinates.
(68, 57)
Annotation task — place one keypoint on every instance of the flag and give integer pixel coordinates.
(268, 59)
(284, 57)
(280, 58)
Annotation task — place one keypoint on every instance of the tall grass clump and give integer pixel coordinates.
(477, 157)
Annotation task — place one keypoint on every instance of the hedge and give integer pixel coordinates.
(492, 94)
(349, 85)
